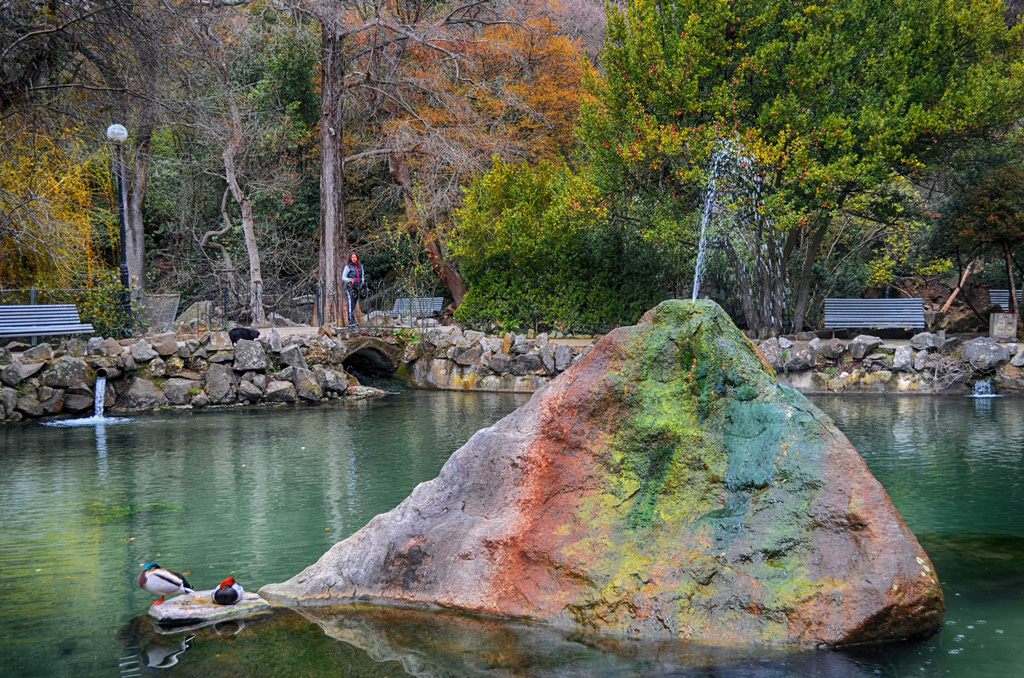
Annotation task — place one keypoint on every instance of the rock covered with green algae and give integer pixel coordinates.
(665, 485)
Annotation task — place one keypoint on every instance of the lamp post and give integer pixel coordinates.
(117, 134)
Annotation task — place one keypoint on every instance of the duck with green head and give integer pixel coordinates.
(161, 582)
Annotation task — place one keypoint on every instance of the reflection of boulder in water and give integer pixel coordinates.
(664, 486)
(982, 562)
(429, 643)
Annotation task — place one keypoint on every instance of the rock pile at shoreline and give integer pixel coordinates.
(164, 371)
(868, 364)
(160, 371)
(451, 358)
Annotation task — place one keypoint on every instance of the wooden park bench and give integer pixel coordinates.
(1002, 297)
(41, 320)
(874, 313)
(416, 307)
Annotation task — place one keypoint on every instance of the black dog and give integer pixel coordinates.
(243, 333)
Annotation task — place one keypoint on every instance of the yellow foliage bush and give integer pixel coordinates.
(47, 184)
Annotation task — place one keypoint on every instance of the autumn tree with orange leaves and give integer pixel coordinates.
(432, 91)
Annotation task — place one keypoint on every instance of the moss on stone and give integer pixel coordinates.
(709, 439)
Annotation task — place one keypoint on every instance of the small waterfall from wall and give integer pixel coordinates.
(98, 419)
(98, 422)
(99, 397)
(983, 389)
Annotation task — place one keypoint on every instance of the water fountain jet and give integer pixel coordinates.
(732, 216)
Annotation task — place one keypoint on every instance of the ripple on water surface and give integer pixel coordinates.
(262, 493)
(258, 494)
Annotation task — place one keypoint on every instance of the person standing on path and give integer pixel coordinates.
(354, 280)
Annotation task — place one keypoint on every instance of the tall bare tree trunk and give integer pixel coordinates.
(333, 236)
(256, 310)
(208, 242)
(1014, 306)
(804, 286)
(257, 314)
(447, 274)
(135, 237)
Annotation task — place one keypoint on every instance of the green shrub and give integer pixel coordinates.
(537, 249)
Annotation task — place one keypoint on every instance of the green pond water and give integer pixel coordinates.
(261, 493)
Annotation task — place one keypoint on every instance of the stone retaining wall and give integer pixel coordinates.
(161, 371)
(453, 359)
(867, 364)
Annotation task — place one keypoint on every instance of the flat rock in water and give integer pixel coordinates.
(664, 486)
(198, 608)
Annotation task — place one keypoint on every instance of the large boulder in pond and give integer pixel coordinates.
(664, 486)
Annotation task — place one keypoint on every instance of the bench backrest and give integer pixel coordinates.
(1002, 297)
(881, 313)
(417, 306)
(41, 320)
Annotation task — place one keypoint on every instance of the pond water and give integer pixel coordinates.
(261, 493)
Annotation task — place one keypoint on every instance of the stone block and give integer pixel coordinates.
(799, 357)
(524, 364)
(984, 354)
(500, 363)
(249, 392)
(221, 384)
(37, 354)
(67, 372)
(1002, 326)
(292, 356)
(903, 359)
(250, 356)
(157, 368)
(832, 349)
(280, 392)
(164, 344)
(141, 394)
(924, 340)
(180, 391)
(112, 347)
(30, 407)
(862, 345)
(306, 386)
(563, 356)
(142, 352)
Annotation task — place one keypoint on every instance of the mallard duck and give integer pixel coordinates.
(161, 582)
(228, 593)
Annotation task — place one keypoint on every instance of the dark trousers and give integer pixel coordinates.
(353, 303)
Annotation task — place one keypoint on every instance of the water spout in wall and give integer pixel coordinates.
(99, 396)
